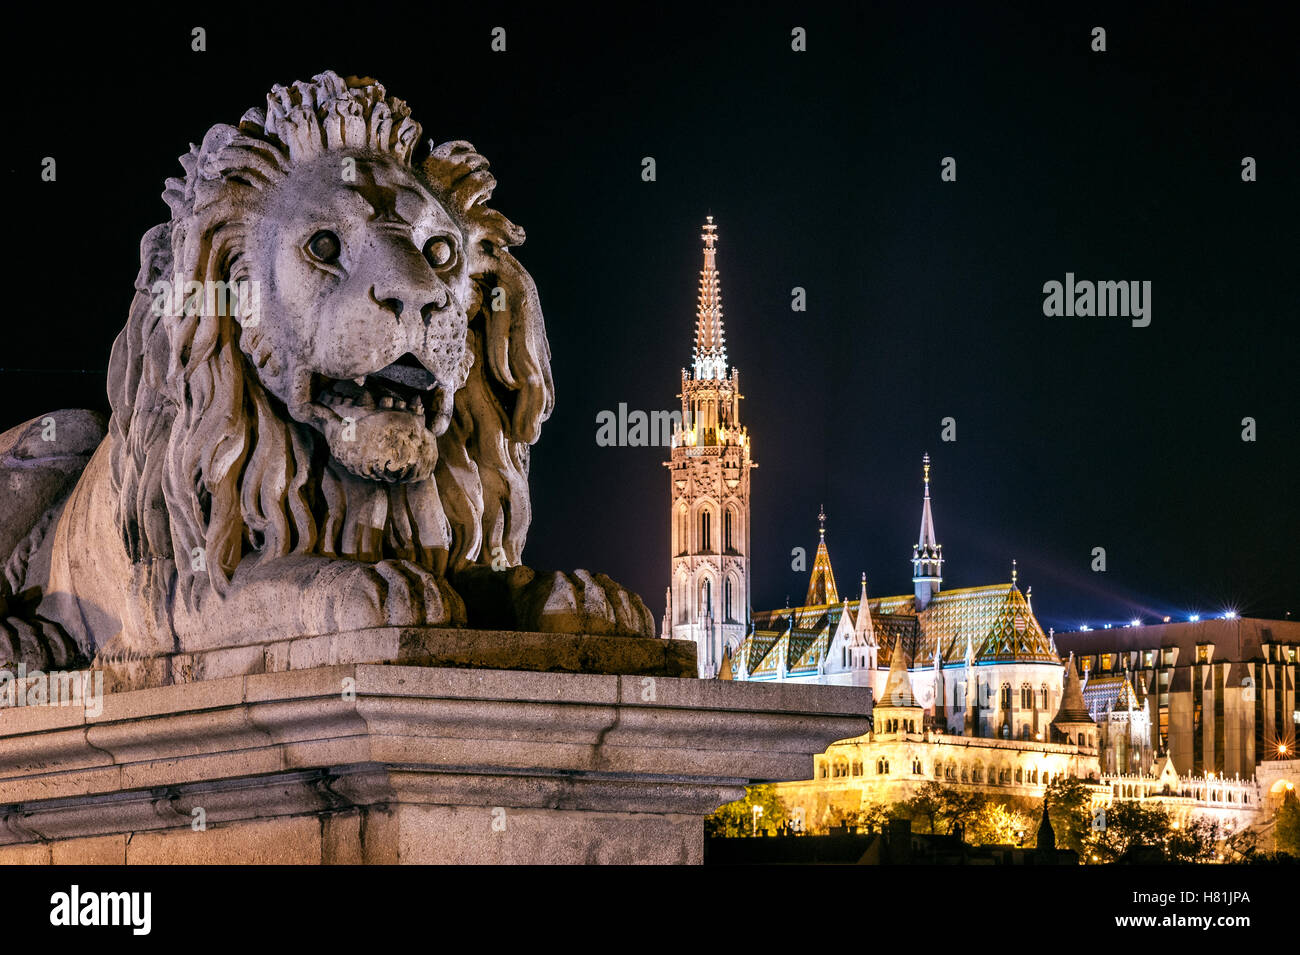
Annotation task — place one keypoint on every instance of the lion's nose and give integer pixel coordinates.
(441, 299)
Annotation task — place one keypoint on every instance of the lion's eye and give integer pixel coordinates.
(325, 246)
(439, 251)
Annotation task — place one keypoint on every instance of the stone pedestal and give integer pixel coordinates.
(362, 763)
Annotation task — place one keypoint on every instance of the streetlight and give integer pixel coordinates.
(756, 811)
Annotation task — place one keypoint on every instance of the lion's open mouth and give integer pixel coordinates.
(404, 386)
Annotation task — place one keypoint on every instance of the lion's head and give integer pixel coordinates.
(376, 396)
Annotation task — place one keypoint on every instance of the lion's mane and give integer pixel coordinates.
(205, 457)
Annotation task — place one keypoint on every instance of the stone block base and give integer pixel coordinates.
(399, 764)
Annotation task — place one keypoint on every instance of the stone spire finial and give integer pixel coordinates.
(710, 342)
(927, 555)
(1014, 573)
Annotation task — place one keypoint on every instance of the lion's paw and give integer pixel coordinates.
(582, 602)
(352, 595)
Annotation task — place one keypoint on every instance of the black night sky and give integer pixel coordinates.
(822, 171)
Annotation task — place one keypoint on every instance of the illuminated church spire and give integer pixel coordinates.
(710, 343)
(927, 555)
(708, 599)
(821, 587)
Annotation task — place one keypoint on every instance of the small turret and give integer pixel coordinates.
(1073, 723)
(864, 646)
(1046, 834)
(898, 710)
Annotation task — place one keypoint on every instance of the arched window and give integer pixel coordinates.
(1044, 706)
(1020, 775)
(1026, 697)
(1006, 696)
(706, 597)
(726, 600)
(726, 531)
(704, 530)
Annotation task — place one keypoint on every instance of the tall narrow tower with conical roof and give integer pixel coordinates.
(927, 556)
(709, 595)
(821, 585)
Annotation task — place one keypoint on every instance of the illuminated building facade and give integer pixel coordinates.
(708, 597)
(1222, 692)
(976, 658)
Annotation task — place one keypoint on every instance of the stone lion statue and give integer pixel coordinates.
(345, 446)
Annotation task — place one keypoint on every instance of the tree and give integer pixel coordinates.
(1286, 831)
(1129, 828)
(1069, 806)
(995, 823)
(736, 819)
(940, 807)
(1241, 846)
(1197, 841)
(871, 817)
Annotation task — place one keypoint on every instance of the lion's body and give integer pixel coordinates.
(333, 456)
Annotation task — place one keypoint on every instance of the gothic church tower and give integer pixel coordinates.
(708, 597)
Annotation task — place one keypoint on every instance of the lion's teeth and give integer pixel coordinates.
(385, 402)
(360, 380)
(416, 405)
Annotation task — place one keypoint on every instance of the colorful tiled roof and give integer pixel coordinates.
(821, 587)
(1102, 694)
(996, 618)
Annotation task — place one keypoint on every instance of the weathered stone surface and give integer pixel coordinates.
(360, 763)
(407, 646)
(340, 444)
